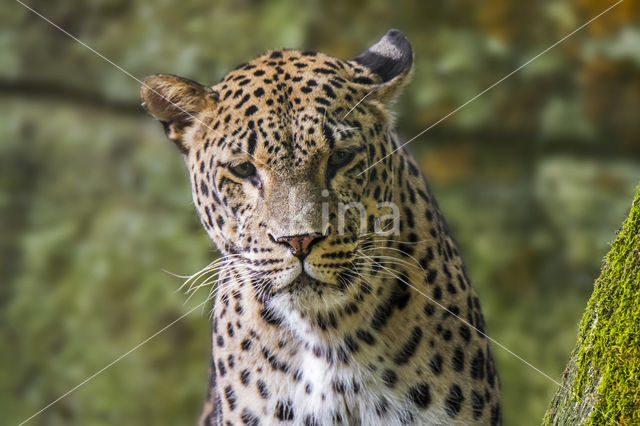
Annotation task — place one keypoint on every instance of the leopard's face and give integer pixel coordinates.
(283, 156)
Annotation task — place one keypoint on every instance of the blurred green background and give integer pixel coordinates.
(534, 177)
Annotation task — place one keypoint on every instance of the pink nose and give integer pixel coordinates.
(300, 245)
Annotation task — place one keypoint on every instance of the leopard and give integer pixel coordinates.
(341, 296)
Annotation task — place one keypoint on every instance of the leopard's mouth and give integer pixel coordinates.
(305, 285)
(303, 282)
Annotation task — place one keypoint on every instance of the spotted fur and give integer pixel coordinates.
(313, 326)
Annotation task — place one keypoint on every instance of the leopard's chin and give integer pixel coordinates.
(304, 297)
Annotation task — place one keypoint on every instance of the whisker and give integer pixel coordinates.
(399, 261)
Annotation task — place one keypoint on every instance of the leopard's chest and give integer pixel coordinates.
(309, 389)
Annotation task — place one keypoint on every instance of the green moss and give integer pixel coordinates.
(602, 381)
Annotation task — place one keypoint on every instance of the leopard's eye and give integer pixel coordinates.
(340, 158)
(243, 170)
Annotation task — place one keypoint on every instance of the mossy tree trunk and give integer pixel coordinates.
(602, 381)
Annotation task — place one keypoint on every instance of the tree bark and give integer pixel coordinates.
(601, 384)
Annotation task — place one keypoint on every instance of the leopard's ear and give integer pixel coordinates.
(391, 60)
(176, 102)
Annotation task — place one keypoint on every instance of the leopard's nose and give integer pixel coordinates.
(300, 245)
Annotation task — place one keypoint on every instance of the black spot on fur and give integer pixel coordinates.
(420, 395)
(477, 405)
(231, 397)
(477, 365)
(457, 360)
(351, 343)
(310, 420)
(465, 333)
(381, 407)
(495, 415)
(437, 292)
(251, 110)
(429, 309)
(365, 336)
(381, 315)
(263, 389)
(246, 344)
(453, 402)
(328, 134)
(245, 376)
(221, 368)
(249, 419)
(389, 378)
(284, 410)
(409, 348)
(436, 364)
(251, 142)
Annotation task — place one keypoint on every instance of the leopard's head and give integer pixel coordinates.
(284, 161)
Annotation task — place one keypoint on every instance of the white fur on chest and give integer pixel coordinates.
(324, 401)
